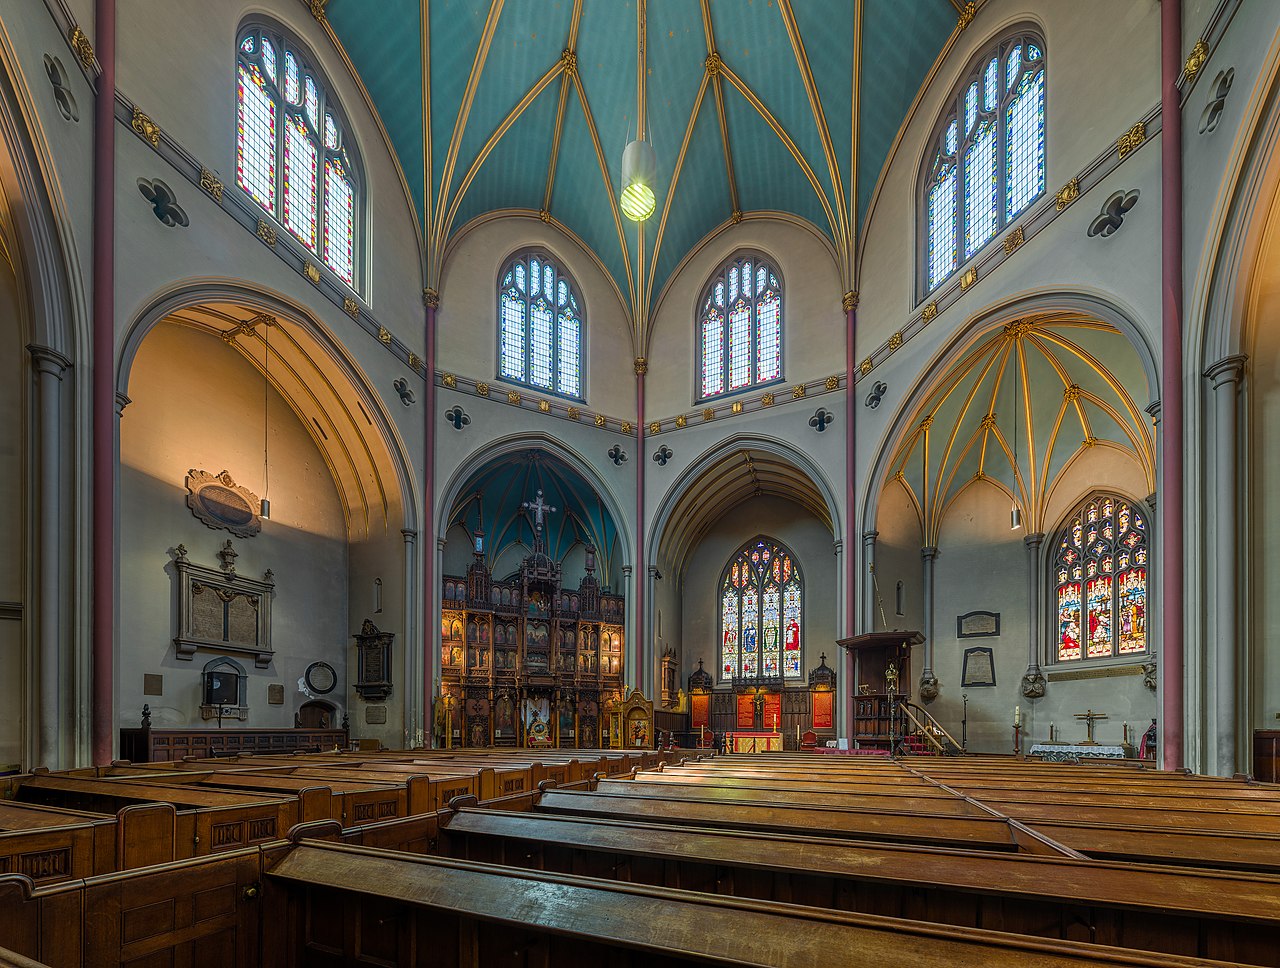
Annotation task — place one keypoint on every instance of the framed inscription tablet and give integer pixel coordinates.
(218, 609)
(979, 668)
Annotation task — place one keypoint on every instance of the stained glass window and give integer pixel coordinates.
(988, 164)
(761, 613)
(740, 327)
(1101, 581)
(291, 157)
(540, 326)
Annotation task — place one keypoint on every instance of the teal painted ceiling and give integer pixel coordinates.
(512, 123)
(493, 501)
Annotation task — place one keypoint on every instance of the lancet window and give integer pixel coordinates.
(292, 156)
(1100, 581)
(761, 613)
(740, 327)
(988, 161)
(540, 323)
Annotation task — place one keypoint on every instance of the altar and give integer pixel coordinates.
(1059, 752)
(755, 742)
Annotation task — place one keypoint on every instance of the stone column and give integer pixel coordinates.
(928, 681)
(869, 581)
(1225, 376)
(1033, 681)
(49, 366)
(413, 734)
(629, 627)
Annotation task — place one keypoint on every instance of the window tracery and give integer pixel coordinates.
(761, 613)
(540, 326)
(299, 172)
(740, 327)
(1100, 581)
(988, 163)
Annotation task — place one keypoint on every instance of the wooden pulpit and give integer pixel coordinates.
(873, 654)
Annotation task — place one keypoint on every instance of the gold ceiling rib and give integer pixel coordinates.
(513, 115)
(925, 85)
(608, 187)
(781, 132)
(569, 57)
(641, 295)
(855, 123)
(424, 36)
(460, 124)
(283, 364)
(932, 459)
(711, 67)
(671, 193)
(382, 130)
(819, 117)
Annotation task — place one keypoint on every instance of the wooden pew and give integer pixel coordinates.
(206, 821)
(343, 902)
(978, 832)
(1200, 913)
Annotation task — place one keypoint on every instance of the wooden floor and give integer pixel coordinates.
(566, 857)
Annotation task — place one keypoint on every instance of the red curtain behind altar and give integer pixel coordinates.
(746, 712)
(700, 711)
(772, 711)
(822, 710)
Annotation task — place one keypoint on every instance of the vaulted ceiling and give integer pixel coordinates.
(493, 499)
(752, 106)
(1017, 408)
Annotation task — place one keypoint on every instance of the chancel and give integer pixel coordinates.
(451, 449)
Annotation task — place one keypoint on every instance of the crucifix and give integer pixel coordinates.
(539, 508)
(1090, 718)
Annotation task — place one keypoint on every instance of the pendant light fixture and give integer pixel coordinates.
(1015, 513)
(639, 163)
(264, 510)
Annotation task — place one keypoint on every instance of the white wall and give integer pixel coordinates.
(197, 404)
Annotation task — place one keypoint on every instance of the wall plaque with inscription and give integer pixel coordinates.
(979, 668)
(218, 609)
(980, 624)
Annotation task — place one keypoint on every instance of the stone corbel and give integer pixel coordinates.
(1033, 683)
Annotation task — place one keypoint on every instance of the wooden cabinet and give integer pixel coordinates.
(1266, 755)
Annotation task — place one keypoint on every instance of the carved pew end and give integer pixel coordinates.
(314, 830)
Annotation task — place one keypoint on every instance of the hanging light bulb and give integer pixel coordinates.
(639, 165)
(1015, 518)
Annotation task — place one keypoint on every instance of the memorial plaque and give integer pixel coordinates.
(275, 694)
(375, 715)
(978, 624)
(152, 685)
(979, 668)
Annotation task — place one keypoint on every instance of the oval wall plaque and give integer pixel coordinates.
(222, 504)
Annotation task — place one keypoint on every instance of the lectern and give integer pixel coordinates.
(873, 654)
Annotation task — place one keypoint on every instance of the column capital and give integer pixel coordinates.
(626, 571)
(929, 553)
(441, 541)
(838, 547)
(409, 536)
(1229, 369)
(122, 401)
(1153, 408)
(1034, 540)
(48, 360)
(869, 538)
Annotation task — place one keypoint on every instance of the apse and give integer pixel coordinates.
(494, 508)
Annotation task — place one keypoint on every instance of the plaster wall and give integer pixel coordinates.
(188, 88)
(468, 342)
(809, 540)
(813, 320)
(197, 404)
